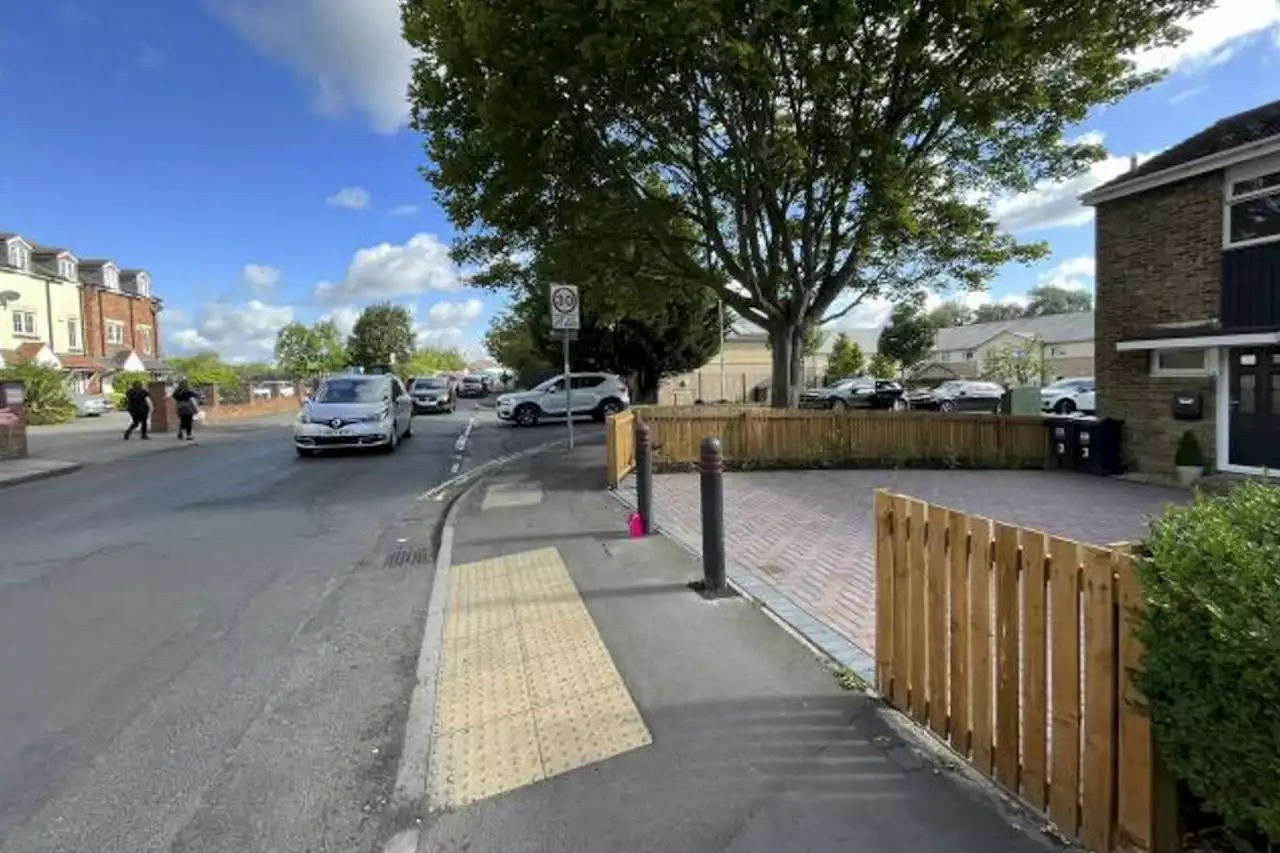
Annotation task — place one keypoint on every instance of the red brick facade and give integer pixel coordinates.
(1159, 261)
(103, 307)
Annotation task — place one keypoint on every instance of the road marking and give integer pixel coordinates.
(526, 689)
(509, 495)
(461, 444)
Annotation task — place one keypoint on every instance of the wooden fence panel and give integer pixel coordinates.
(958, 534)
(1064, 781)
(901, 655)
(1134, 757)
(937, 616)
(619, 446)
(884, 592)
(981, 662)
(1100, 663)
(1008, 611)
(1035, 685)
(919, 609)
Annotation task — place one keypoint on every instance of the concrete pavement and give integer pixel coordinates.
(637, 717)
(212, 650)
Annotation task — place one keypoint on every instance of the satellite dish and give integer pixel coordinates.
(8, 296)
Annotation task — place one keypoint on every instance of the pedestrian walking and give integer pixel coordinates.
(186, 405)
(138, 404)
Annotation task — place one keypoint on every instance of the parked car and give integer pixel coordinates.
(432, 394)
(472, 386)
(90, 405)
(354, 410)
(262, 391)
(595, 395)
(1067, 396)
(959, 395)
(856, 393)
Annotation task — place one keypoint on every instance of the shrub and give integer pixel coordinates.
(1188, 453)
(1211, 630)
(44, 393)
(123, 381)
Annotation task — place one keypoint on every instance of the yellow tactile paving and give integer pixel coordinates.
(526, 688)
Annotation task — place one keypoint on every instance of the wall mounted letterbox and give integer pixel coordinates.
(1188, 406)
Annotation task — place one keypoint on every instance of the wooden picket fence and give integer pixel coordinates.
(1015, 647)
(619, 446)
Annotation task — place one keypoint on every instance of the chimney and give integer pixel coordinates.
(1133, 162)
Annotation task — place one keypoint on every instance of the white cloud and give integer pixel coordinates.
(260, 278)
(350, 198)
(403, 210)
(450, 338)
(1056, 204)
(1073, 274)
(1214, 36)
(453, 314)
(1186, 94)
(245, 332)
(352, 54)
(344, 318)
(174, 316)
(420, 265)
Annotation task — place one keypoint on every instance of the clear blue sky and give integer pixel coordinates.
(251, 154)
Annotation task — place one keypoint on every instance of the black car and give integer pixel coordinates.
(959, 396)
(432, 394)
(857, 393)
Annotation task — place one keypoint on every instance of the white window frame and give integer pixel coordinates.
(1208, 368)
(67, 269)
(110, 278)
(25, 319)
(19, 255)
(73, 334)
(144, 284)
(109, 325)
(145, 331)
(1257, 169)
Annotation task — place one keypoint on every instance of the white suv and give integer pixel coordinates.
(1067, 396)
(593, 395)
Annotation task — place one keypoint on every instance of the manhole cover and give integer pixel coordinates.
(407, 557)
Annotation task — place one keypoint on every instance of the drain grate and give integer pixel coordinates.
(407, 557)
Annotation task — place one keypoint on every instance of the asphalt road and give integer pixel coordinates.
(210, 650)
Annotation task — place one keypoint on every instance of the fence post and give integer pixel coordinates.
(711, 464)
(644, 476)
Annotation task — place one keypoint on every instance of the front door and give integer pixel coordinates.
(1255, 408)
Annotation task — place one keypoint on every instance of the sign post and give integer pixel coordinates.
(565, 321)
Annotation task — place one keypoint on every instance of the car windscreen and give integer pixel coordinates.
(430, 384)
(351, 391)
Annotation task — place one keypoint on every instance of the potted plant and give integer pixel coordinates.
(1189, 459)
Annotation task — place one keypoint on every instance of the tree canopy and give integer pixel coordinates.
(307, 351)
(821, 153)
(428, 360)
(845, 359)
(909, 335)
(382, 335)
(1051, 299)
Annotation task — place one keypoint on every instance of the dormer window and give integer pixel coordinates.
(19, 255)
(110, 278)
(143, 283)
(67, 269)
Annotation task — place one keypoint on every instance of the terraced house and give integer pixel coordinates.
(86, 317)
(1188, 297)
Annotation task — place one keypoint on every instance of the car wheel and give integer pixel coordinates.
(1065, 407)
(838, 405)
(392, 443)
(606, 408)
(947, 406)
(527, 415)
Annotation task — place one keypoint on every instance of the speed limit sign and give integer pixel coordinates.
(565, 316)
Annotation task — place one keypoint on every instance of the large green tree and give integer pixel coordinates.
(845, 359)
(951, 313)
(908, 337)
(1051, 299)
(382, 336)
(823, 153)
(307, 351)
(995, 312)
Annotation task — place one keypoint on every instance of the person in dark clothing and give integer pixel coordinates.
(138, 403)
(186, 407)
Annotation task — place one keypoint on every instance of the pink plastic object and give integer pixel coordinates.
(634, 526)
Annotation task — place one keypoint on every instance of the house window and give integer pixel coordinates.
(1181, 362)
(67, 269)
(109, 279)
(24, 323)
(115, 332)
(968, 356)
(1253, 208)
(73, 333)
(18, 255)
(143, 334)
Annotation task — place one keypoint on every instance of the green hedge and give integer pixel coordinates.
(44, 391)
(1211, 675)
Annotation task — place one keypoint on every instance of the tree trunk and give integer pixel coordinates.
(787, 351)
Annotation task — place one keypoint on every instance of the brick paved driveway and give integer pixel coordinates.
(810, 534)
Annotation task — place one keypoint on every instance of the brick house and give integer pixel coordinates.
(121, 317)
(1188, 297)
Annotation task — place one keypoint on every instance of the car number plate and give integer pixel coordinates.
(343, 433)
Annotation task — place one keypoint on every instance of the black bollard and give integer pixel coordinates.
(711, 464)
(644, 477)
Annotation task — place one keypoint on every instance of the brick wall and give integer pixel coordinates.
(217, 412)
(130, 311)
(1159, 260)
